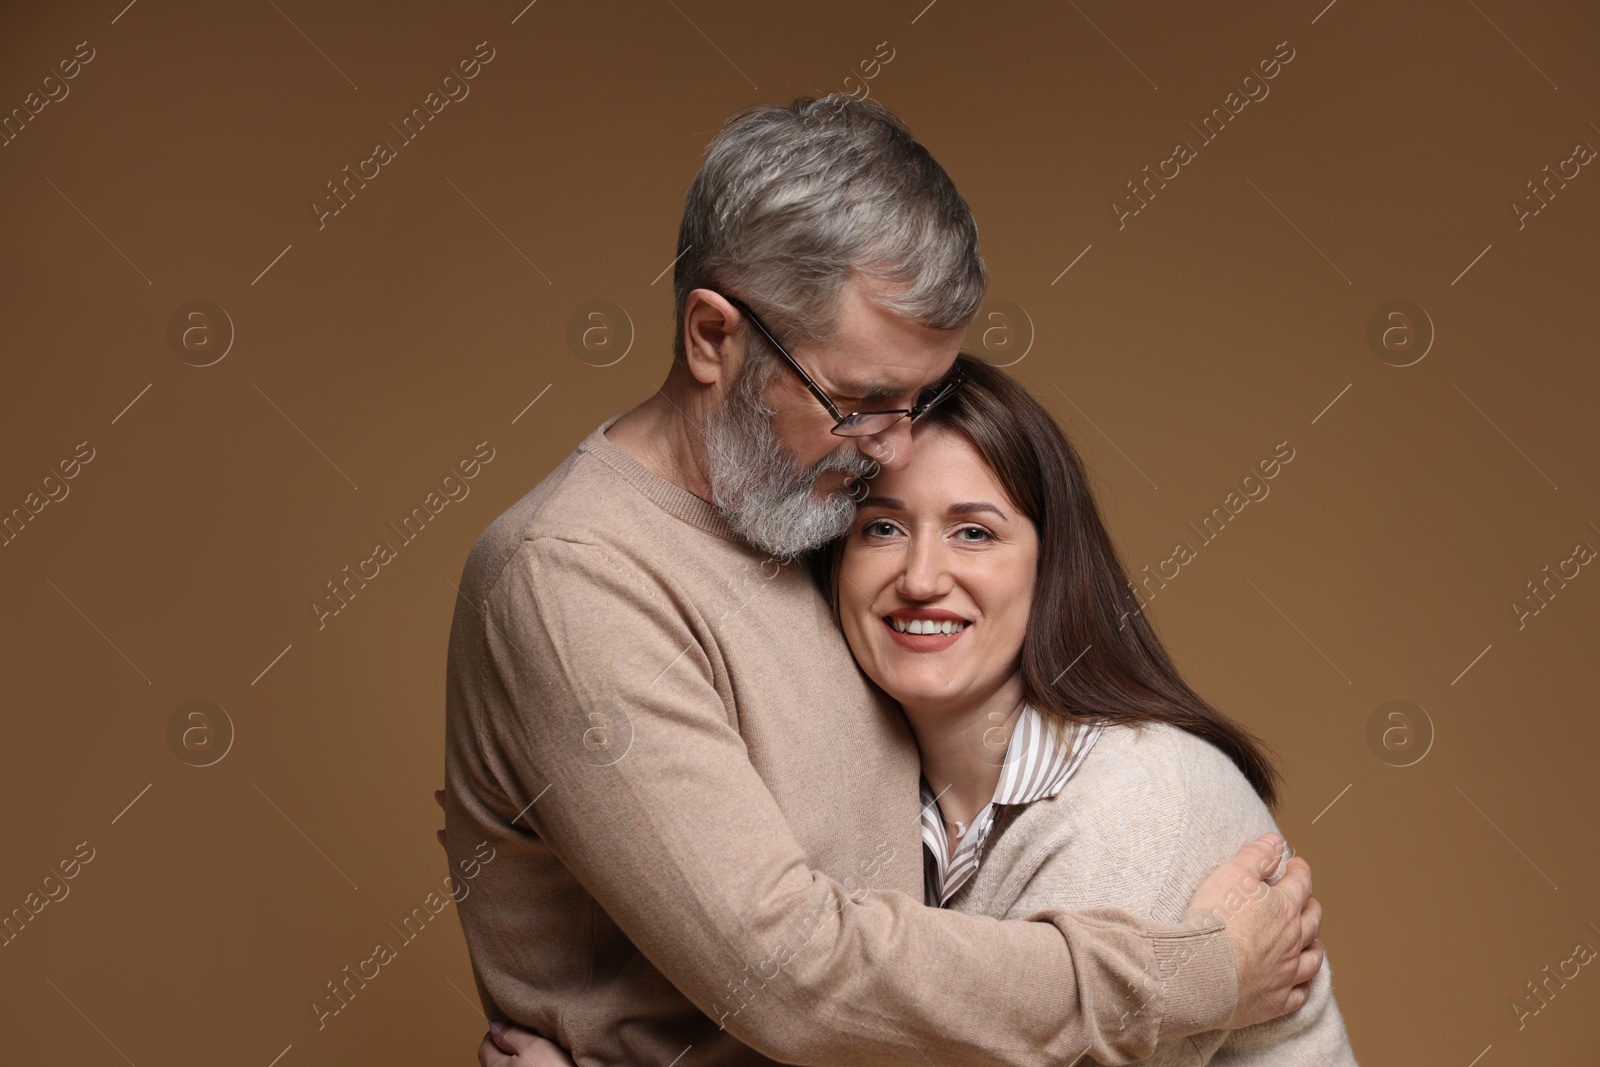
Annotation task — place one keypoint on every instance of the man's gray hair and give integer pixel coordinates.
(791, 202)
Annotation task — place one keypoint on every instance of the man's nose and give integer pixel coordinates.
(891, 448)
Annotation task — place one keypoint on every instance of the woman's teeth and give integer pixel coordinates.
(926, 626)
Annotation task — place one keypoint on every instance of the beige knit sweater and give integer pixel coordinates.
(704, 819)
(1151, 812)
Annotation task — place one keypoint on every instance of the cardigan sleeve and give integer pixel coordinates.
(1223, 812)
(1314, 1036)
(1147, 819)
(1227, 813)
(685, 848)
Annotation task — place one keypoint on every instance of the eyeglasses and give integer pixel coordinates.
(859, 423)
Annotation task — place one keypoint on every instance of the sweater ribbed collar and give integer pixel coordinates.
(671, 498)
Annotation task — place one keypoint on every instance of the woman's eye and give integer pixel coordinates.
(879, 528)
(973, 534)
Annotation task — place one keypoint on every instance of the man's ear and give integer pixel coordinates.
(712, 340)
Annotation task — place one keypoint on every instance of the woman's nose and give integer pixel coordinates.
(926, 573)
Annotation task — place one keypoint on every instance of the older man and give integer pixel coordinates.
(704, 819)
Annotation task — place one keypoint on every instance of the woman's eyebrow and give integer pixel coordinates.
(965, 507)
(969, 507)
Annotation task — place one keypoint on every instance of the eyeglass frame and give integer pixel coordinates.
(912, 414)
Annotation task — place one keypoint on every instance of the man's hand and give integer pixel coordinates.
(512, 1046)
(438, 795)
(1273, 928)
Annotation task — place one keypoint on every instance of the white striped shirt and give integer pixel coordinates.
(1036, 765)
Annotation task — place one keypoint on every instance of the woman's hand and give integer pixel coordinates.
(512, 1046)
(438, 795)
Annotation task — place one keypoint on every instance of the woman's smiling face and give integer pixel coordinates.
(936, 577)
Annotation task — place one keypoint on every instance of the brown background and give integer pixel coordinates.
(373, 353)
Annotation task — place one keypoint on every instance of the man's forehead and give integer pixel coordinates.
(879, 370)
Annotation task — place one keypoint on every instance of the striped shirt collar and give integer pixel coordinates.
(1036, 765)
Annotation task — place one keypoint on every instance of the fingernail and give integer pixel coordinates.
(1274, 840)
(496, 1029)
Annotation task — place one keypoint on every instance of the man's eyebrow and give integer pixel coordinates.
(872, 391)
(879, 390)
(965, 507)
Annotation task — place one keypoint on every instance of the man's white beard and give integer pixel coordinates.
(757, 483)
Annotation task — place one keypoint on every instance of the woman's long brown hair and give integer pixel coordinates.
(1084, 612)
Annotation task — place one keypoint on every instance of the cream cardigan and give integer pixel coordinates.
(1151, 812)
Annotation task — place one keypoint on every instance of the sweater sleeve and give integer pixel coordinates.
(681, 843)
